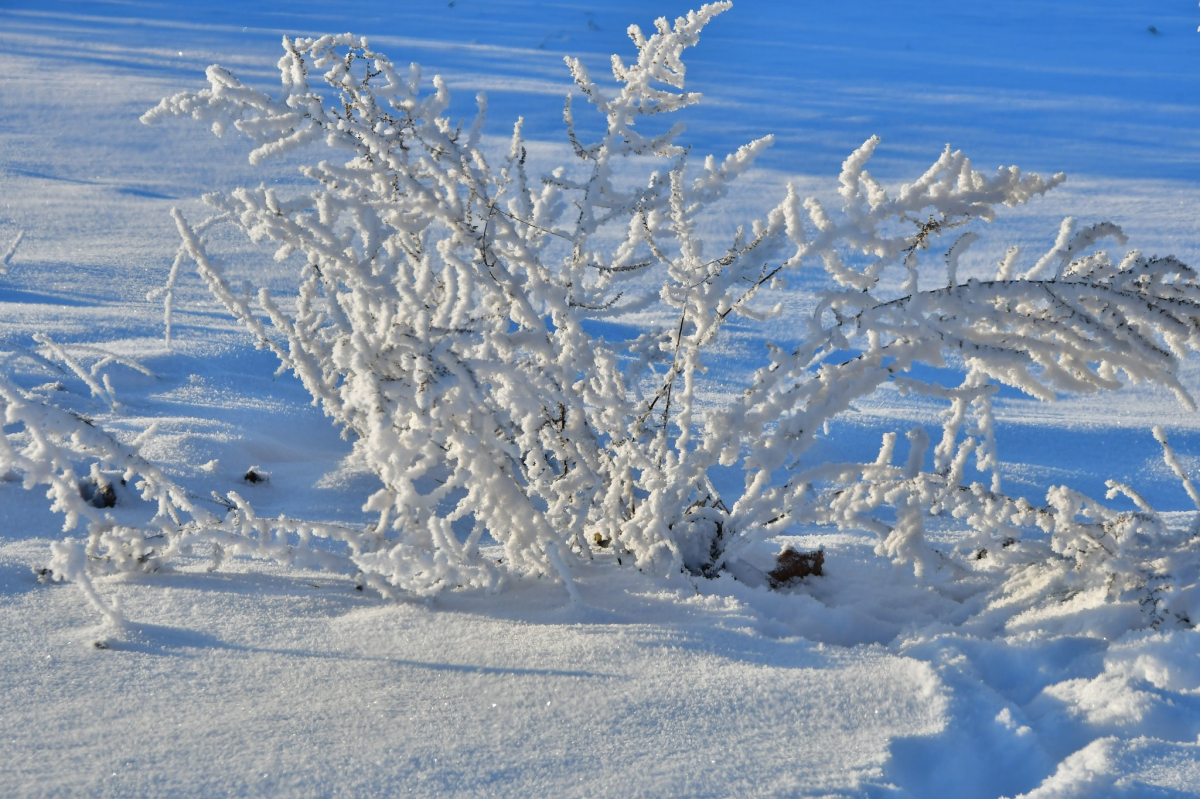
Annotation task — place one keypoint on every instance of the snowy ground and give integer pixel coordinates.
(257, 680)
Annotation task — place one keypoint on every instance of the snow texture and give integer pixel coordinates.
(1062, 664)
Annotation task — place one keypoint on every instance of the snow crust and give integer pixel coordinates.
(264, 680)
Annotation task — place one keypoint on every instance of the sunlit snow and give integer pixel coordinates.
(257, 679)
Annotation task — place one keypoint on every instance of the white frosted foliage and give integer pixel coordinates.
(447, 310)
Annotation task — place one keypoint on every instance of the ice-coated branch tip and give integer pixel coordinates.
(12, 249)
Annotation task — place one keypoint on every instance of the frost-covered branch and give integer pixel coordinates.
(135, 517)
(448, 299)
(11, 251)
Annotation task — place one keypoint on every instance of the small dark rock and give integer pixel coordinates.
(253, 476)
(792, 565)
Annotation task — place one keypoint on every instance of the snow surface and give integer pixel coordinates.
(259, 680)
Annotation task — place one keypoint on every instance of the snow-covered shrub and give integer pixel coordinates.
(47, 443)
(448, 318)
(447, 305)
